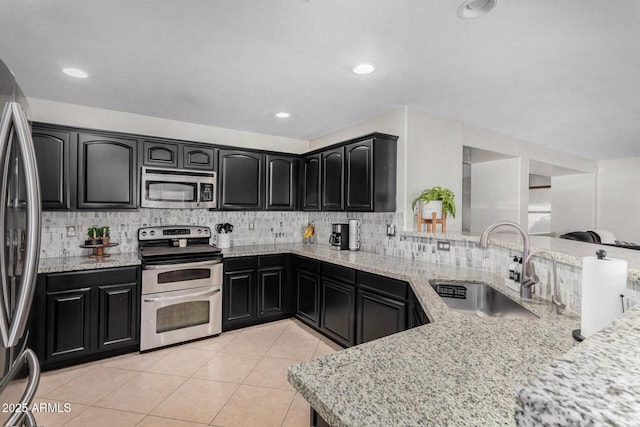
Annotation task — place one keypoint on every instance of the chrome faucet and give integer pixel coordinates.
(526, 280)
(556, 304)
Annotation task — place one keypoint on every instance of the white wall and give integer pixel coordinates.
(495, 193)
(573, 203)
(98, 118)
(619, 198)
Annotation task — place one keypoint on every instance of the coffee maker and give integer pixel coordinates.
(339, 239)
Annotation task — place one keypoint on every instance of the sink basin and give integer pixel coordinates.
(479, 299)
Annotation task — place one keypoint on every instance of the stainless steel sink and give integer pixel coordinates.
(479, 299)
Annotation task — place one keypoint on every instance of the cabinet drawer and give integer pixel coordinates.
(63, 281)
(243, 263)
(267, 261)
(334, 271)
(310, 265)
(383, 285)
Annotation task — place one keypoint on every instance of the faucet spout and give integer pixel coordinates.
(556, 304)
(527, 280)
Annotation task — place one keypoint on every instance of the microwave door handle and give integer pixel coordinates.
(199, 294)
(181, 266)
(198, 192)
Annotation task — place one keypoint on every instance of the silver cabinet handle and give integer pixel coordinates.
(12, 326)
(199, 294)
(181, 266)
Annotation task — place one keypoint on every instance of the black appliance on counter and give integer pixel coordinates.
(339, 239)
(181, 285)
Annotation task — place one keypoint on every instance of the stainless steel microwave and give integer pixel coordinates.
(177, 188)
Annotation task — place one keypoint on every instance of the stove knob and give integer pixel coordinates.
(144, 233)
(153, 233)
(199, 231)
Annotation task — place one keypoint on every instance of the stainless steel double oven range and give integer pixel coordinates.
(181, 285)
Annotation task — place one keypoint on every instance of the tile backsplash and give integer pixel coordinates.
(252, 228)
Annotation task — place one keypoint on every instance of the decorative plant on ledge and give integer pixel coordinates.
(444, 195)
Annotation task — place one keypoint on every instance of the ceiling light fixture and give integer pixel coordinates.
(363, 69)
(283, 115)
(75, 72)
(472, 9)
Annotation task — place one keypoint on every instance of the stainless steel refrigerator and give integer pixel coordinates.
(20, 217)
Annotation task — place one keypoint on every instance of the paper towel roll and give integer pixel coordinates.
(603, 281)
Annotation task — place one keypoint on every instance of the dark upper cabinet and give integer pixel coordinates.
(178, 155)
(281, 182)
(53, 154)
(240, 180)
(370, 176)
(332, 174)
(198, 157)
(163, 154)
(107, 172)
(310, 180)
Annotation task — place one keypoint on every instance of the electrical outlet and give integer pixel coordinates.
(71, 231)
(444, 245)
(251, 226)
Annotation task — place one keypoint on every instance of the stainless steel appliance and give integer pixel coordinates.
(176, 188)
(339, 239)
(20, 218)
(181, 285)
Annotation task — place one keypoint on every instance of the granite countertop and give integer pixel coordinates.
(75, 263)
(459, 369)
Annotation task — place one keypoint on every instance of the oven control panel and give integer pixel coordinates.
(173, 232)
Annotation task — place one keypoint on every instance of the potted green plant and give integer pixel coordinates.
(436, 199)
(105, 235)
(94, 236)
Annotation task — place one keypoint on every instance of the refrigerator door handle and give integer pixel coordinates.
(13, 321)
(16, 418)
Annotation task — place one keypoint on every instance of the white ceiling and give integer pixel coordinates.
(562, 73)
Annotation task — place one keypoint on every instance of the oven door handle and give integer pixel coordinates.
(181, 266)
(199, 294)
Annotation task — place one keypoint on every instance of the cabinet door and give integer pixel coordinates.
(52, 150)
(117, 315)
(379, 316)
(197, 157)
(359, 176)
(238, 301)
(281, 172)
(68, 315)
(311, 183)
(307, 297)
(160, 154)
(333, 180)
(270, 291)
(338, 311)
(240, 179)
(107, 172)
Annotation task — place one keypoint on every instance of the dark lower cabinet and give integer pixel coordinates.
(338, 311)
(308, 297)
(379, 316)
(117, 324)
(68, 315)
(85, 315)
(255, 290)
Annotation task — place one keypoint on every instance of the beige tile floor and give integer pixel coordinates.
(236, 379)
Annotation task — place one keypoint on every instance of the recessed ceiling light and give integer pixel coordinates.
(75, 72)
(471, 9)
(282, 115)
(363, 69)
